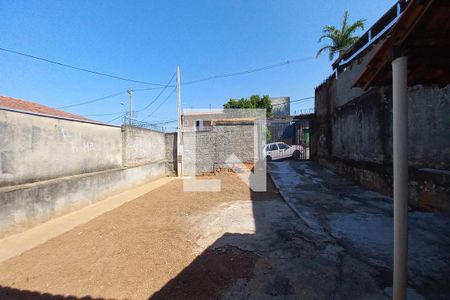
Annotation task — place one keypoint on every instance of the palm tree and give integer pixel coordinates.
(341, 40)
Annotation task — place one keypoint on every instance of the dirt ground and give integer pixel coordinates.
(158, 245)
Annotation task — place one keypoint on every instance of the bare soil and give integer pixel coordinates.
(133, 252)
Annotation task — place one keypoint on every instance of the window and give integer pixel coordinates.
(283, 146)
(272, 147)
(199, 125)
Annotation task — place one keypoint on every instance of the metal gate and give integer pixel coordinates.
(303, 138)
(292, 132)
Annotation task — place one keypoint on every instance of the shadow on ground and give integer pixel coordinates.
(283, 259)
(12, 293)
(339, 247)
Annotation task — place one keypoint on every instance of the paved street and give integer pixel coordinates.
(356, 224)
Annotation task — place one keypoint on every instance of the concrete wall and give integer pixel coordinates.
(206, 151)
(24, 206)
(428, 127)
(357, 129)
(143, 145)
(34, 148)
(171, 153)
(50, 166)
(362, 128)
(347, 77)
(352, 134)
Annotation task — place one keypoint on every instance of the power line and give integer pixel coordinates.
(298, 100)
(151, 89)
(144, 108)
(122, 115)
(93, 100)
(160, 93)
(151, 114)
(294, 101)
(171, 121)
(292, 61)
(248, 71)
(159, 86)
(164, 122)
(79, 68)
(114, 95)
(107, 114)
(303, 99)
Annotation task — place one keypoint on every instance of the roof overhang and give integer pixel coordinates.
(422, 33)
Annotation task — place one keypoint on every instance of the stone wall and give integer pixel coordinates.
(206, 151)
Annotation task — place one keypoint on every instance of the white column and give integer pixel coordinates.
(400, 158)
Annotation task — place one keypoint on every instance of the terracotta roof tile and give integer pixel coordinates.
(18, 104)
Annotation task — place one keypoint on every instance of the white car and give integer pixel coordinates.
(281, 150)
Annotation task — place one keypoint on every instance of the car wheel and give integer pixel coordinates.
(268, 158)
(296, 154)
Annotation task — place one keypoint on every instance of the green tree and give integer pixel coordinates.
(340, 40)
(255, 101)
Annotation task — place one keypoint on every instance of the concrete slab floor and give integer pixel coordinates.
(359, 224)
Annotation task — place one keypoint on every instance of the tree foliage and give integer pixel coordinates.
(255, 101)
(340, 39)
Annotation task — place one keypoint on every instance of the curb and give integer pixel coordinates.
(310, 224)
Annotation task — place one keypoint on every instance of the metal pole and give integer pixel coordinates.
(400, 157)
(180, 131)
(130, 92)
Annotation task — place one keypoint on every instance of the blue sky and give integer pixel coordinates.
(146, 40)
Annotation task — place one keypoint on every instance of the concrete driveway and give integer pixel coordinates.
(357, 225)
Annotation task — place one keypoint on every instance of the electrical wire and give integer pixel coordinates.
(249, 71)
(116, 94)
(78, 68)
(287, 62)
(164, 122)
(107, 114)
(122, 115)
(151, 114)
(171, 121)
(160, 93)
(292, 61)
(294, 101)
(93, 100)
(159, 86)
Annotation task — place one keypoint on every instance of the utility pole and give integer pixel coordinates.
(130, 92)
(180, 129)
